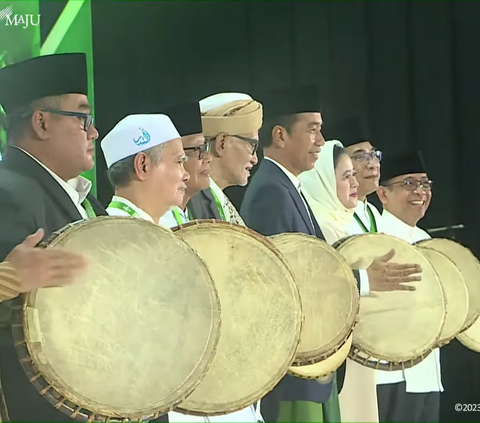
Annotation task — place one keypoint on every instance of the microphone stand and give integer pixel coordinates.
(448, 230)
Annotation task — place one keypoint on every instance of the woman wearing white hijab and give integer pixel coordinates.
(330, 189)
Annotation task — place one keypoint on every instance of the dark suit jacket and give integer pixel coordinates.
(29, 199)
(202, 206)
(272, 205)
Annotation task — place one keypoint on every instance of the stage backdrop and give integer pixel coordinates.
(408, 68)
(400, 66)
(34, 28)
(17, 42)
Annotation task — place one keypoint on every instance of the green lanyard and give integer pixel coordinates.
(124, 207)
(88, 208)
(178, 217)
(373, 224)
(219, 205)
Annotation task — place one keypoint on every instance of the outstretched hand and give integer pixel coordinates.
(386, 276)
(39, 267)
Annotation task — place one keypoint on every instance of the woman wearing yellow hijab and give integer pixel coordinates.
(330, 189)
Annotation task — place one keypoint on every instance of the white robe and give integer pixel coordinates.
(426, 376)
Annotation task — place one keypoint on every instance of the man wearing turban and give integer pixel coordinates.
(230, 122)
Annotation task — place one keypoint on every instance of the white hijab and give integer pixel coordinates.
(319, 187)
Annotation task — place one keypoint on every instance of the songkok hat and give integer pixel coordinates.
(349, 131)
(230, 113)
(44, 76)
(186, 118)
(291, 101)
(137, 133)
(404, 164)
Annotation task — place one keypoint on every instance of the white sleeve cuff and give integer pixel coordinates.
(364, 284)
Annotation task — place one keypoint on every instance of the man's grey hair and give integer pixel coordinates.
(122, 172)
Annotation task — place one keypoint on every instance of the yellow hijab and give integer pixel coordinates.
(319, 187)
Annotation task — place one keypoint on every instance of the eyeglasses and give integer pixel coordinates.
(413, 184)
(86, 117)
(252, 141)
(199, 150)
(367, 157)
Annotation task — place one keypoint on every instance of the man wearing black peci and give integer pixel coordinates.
(51, 142)
(291, 138)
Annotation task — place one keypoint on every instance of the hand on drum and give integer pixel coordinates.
(38, 267)
(386, 276)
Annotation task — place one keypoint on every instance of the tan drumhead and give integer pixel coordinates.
(135, 334)
(468, 264)
(455, 291)
(329, 294)
(398, 326)
(470, 338)
(261, 316)
(325, 367)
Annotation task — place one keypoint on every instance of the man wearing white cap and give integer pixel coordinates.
(231, 122)
(145, 158)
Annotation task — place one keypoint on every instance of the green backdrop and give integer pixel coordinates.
(72, 32)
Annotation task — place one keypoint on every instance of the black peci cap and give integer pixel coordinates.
(290, 101)
(404, 164)
(349, 132)
(43, 76)
(186, 118)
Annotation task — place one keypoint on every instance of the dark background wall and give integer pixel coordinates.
(410, 69)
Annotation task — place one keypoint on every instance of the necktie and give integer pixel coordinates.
(309, 212)
(234, 216)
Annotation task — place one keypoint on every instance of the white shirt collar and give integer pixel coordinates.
(361, 206)
(168, 219)
(361, 210)
(218, 192)
(362, 214)
(392, 225)
(114, 211)
(295, 181)
(183, 214)
(82, 186)
(77, 188)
